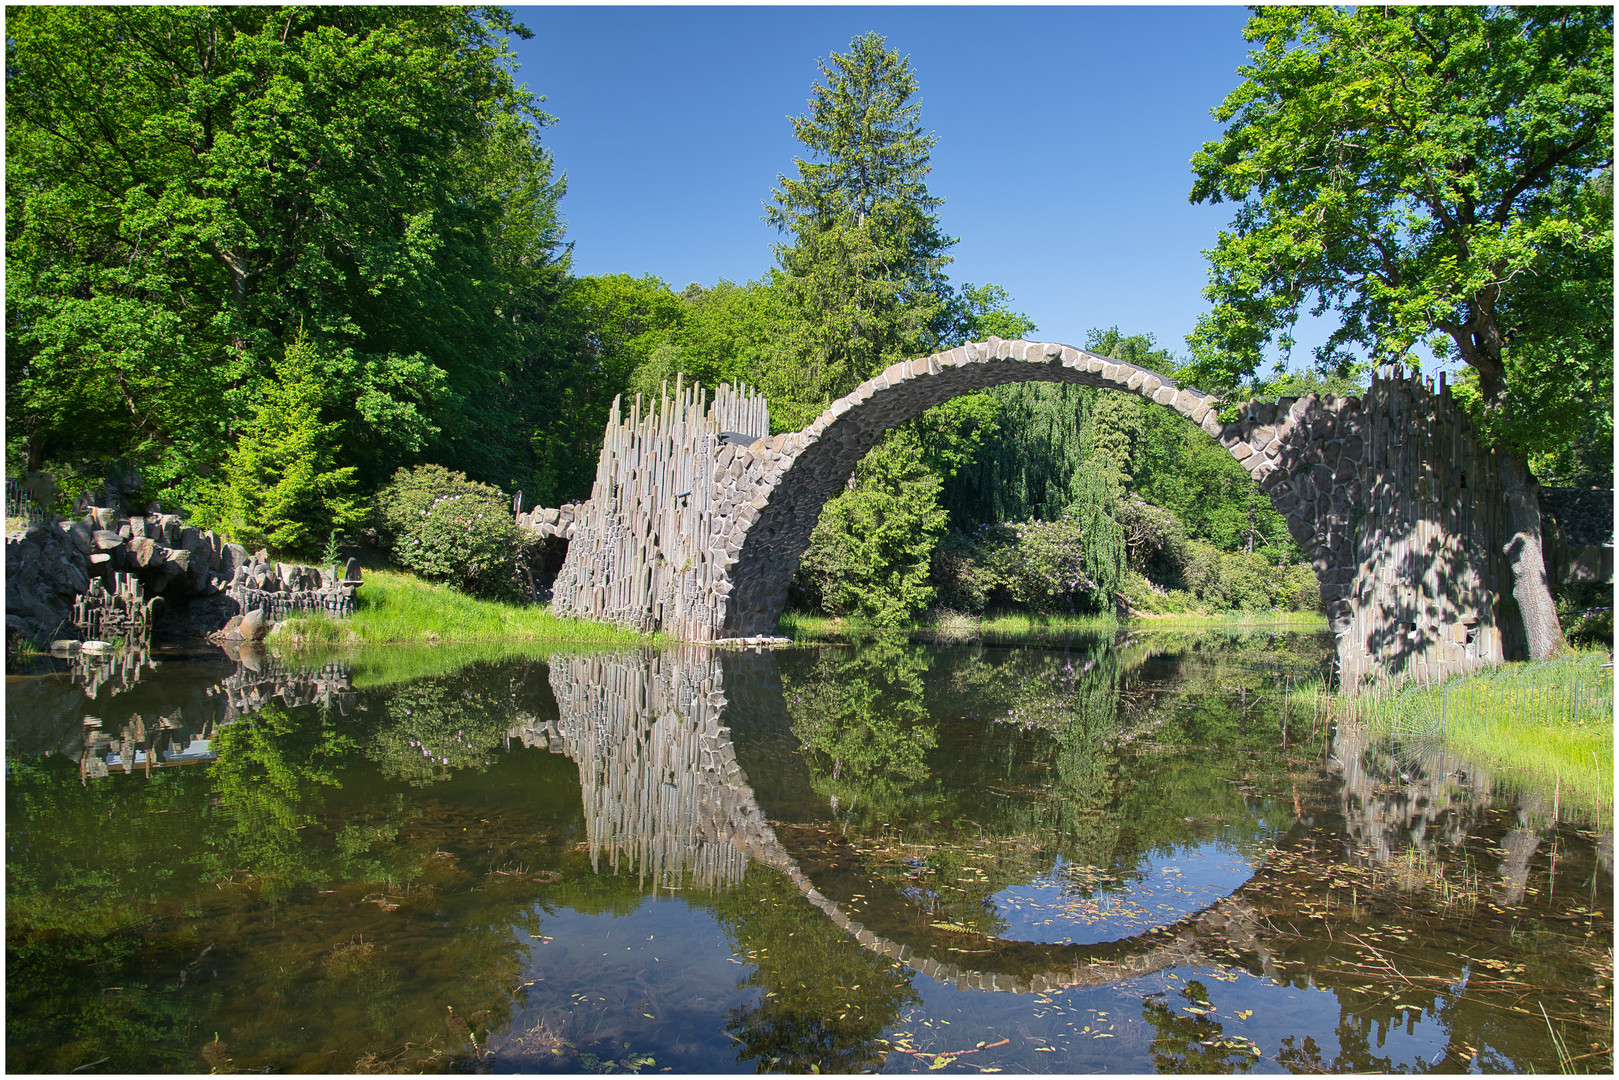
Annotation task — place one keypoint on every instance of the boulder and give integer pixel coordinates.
(144, 551)
(106, 539)
(231, 559)
(253, 627)
(351, 570)
(169, 528)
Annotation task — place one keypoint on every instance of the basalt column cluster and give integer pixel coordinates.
(643, 550)
(662, 790)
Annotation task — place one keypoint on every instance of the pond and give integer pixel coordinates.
(1125, 853)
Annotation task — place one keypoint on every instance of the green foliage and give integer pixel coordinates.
(1043, 567)
(1073, 564)
(980, 312)
(1246, 581)
(869, 553)
(456, 531)
(1212, 496)
(186, 185)
(399, 508)
(860, 720)
(863, 269)
(1421, 172)
(396, 608)
(1044, 433)
(281, 484)
(433, 727)
(267, 774)
(1154, 538)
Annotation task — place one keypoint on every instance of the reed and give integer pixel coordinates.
(1546, 727)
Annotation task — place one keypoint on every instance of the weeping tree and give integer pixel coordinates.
(1424, 174)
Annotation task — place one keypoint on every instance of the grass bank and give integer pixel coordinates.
(394, 608)
(1543, 727)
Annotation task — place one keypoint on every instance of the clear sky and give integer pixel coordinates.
(1064, 137)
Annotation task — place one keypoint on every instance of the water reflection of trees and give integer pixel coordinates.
(339, 877)
(860, 718)
(1061, 776)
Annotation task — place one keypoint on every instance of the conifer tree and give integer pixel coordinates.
(863, 269)
(281, 484)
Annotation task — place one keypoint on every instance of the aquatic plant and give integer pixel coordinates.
(1547, 726)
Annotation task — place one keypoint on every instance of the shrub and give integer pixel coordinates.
(1044, 566)
(962, 575)
(1154, 539)
(870, 552)
(1143, 596)
(400, 507)
(456, 531)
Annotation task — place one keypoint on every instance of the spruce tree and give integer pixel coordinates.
(863, 268)
(281, 484)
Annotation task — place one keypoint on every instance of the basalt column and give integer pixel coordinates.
(642, 552)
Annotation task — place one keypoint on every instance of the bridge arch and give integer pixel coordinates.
(698, 518)
(792, 477)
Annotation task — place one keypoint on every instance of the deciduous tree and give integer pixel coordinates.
(1420, 172)
(186, 184)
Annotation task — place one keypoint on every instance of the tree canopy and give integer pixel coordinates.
(864, 268)
(1410, 169)
(187, 184)
(1429, 175)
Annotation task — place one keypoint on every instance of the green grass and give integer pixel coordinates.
(1293, 620)
(1544, 728)
(395, 608)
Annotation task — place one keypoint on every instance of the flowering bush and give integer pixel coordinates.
(1044, 566)
(456, 531)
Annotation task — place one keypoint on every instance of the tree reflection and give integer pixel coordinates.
(822, 1002)
(1187, 1038)
(268, 769)
(860, 718)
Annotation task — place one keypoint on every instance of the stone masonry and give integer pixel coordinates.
(190, 582)
(698, 517)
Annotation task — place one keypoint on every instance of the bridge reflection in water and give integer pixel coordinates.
(690, 769)
(664, 793)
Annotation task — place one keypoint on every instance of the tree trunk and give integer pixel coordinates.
(1480, 343)
(1529, 585)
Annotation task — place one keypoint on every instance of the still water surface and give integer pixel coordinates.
(1128, 854)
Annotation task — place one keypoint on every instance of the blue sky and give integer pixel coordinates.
(1064, 136)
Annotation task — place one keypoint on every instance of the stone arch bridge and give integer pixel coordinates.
(698, 515)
